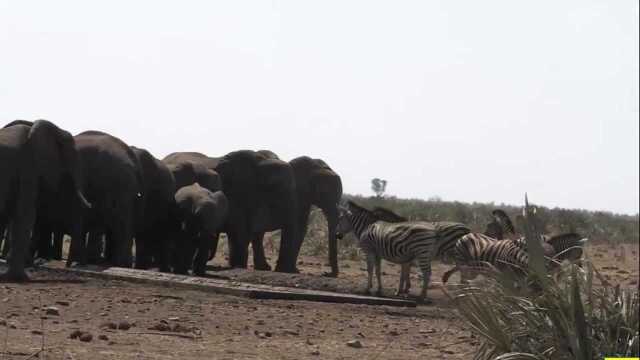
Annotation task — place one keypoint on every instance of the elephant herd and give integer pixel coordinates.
(112, 198)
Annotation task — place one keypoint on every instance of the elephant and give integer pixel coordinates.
(316, 184)
(35, 158)
(151, 234)
(201, 213)
(112, 179)
(262, 197)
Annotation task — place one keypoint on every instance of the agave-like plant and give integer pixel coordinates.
(566, 315)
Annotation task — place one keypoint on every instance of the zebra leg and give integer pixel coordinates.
(378, 266)
(407, 276)
(401, 285)
(371, 260)
(426, 277)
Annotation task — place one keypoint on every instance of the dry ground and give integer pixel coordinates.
(177, 324)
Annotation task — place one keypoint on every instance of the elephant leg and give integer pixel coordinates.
(58, 241)
(332, 222)
(123, 235)
(238, 247)
(214, 246)
(184, 253)
(77, 248)
(287, 254)
(6, 244)
(165, 250)
(20, 230)
(259, 259)
(143, 256)
(94, 247)
(202, 253)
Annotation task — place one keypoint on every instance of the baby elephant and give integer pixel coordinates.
(202, 213)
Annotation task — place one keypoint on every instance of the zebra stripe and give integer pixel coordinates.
(400, 243)
(500, 255)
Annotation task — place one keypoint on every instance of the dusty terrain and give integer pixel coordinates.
(133, 321)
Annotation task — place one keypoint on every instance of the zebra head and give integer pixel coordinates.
(344, 224)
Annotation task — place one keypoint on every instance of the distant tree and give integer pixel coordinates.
(379, 186)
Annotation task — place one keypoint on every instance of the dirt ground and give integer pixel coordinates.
(133, 321)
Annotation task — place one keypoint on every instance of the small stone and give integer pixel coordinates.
(315, 353)
(86, 337)
(75, 334)
(260, 322)
(394, 333)
(36, 332)
(62, 302)
(354, 344)
(174, 318)
(3, 322)
(268, 334)
(52, 310)
(124, 325)
(103, 337)
(291, 332)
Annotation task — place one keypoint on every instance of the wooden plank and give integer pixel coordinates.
(221, 286)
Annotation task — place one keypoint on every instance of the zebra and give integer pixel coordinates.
(400, 243)
(499, 255)
(560, 247)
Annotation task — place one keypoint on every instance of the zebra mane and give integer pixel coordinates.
(387, 215)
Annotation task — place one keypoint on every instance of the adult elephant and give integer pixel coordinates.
(112, 179)
(262, 197)
(151, 234)
(34, 157)
(316, 184)
(202, 214)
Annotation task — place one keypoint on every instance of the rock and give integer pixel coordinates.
(268, 334)
(52, 310)
(354, 344)
(62, 302)
(291, 332)
(103, 337)
(3, 322)
(394, 333)
(36, 332)
(260, 322)
(124, 325)
(75, 334)
(110, 324)
(86, 337)
(174, 318)
(315, 353)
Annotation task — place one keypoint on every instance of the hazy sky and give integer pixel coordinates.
(465, 100)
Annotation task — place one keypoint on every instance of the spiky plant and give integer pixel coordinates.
(565, 316)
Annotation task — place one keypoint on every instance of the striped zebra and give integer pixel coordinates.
(560, 247)
(399, 243)
(475, 255)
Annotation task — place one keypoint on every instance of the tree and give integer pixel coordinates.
(379, 186)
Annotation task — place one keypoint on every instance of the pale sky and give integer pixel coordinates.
(465, 100)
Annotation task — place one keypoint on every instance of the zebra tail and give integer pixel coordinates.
(447, 275)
